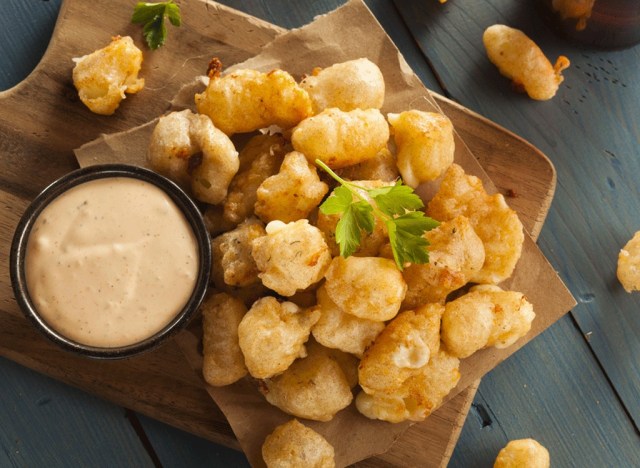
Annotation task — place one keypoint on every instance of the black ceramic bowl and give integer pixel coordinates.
(21, 237)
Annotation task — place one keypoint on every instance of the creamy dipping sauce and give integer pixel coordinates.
(111, 262)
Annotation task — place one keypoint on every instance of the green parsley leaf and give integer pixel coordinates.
(396, 205)
(152, 16)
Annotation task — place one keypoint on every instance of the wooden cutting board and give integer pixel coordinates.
(41, 121)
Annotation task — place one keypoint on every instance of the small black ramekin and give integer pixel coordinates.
(21, 236)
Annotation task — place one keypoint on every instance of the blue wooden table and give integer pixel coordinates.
(575, 388)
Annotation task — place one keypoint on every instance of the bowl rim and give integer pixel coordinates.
(77, 177)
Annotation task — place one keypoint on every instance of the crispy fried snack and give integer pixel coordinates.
(214, 220)
(314, 387)
(248, 100)
(339, 330)
(578, 9)
(356, 84)
(523, 452)
(189, 149)
(381, 167)
(425, 145)
(521, 60)
(367, 287)
(419, 395)
(103, 77)
(272, 335)
(223, 360)
(495, 223)
(467, 324)
(260, 158)
(370, 244)
(232, 263)
(628, 271)
(401, 350)
(456, 253)
(294, 445)
(292, 193)
(291, 256)
(485, 316)
(340, 138)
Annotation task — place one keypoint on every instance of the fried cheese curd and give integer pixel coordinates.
(401, 350)
(494, 222)
(355, 84)
(260, 158)
(456, 253)
(294, 445)
(370, 243)
(223, 359)
(339, 330)
(521, 60)
(485, 316)
(232, 261)
(292, 193)
(314, 387)
(418, 396)
(523, 452)
(272, 334)
(381, 167)
(248, 100)
(291, 257)
(188, 149)
(425, 145)
(339, 138)
(628, 270)
(104, 77)
(368, 287)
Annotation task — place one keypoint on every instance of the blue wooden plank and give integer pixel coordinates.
(176, 448)
(590, 130)
(24, 38)
(551, 390)
(46, 423)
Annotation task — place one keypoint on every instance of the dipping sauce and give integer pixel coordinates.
(110, 262)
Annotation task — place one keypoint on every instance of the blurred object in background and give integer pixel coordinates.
(600, 23)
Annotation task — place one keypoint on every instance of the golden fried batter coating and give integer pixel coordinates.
(232, 263)
(521, 60)
(291, 256)
(425, 145)
(419, 395)
(628, 271)
(456, 253)
(523, 452)
(401, 350)
(294, 445)
(103, 77)
(495, 223)
(355, 84)
(467, 324)
(337, 329)
(367, 287)
(314, 387)
(381, 167)
(260, 158)
(340, 138)
(272, 335)
(223, 360)
(248, 100)
(292, 193)
(214, 220)
(189, 149)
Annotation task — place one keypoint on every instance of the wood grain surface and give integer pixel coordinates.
(178, 397)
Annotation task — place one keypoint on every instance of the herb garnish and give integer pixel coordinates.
(152, 16)
(396, 205)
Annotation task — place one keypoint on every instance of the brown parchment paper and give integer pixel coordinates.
(347, 33)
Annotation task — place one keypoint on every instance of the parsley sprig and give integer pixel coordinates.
(396, 205)
(152, 16)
